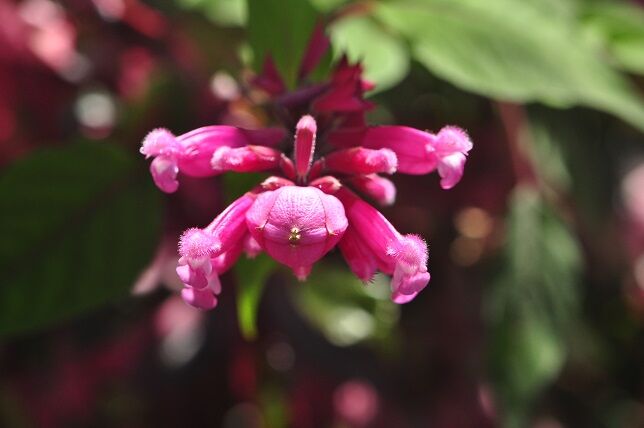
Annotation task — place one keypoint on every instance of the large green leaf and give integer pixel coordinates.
(78, 225)
(282, 29)
(620, 28)
(512, 50)
(385, 57)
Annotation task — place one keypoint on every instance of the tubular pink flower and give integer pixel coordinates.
(380, 189)
(191, 153)
(207, 252)
(229, 227)
(372, 228)
(358, 160)
(297, 225)
(201, 283)
(410, 274)
(451, 147)
(361, 260)
(418, 152)
(373, 241)
(224, 261)
(304, 145)
(245, 159)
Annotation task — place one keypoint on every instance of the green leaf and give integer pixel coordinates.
(251, 278)
(620, 27)
(78, 225)
(385, 57)
(281, 28)
(512, 50)
(534, 305)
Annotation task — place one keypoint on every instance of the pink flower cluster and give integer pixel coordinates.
(309, 204)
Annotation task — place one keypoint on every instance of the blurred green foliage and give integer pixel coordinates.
(346, 310)
(511, 50)
(384, 56)
(79, 223)
(533, 304)
(619, 29)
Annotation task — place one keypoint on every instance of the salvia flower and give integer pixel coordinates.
(309, 204)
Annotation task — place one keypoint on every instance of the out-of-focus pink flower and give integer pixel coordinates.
(356, 402)
(136, 66)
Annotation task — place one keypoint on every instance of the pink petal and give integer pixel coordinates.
(164, 172)
(450, 168)
(200, 299)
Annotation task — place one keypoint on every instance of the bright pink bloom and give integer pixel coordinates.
(306, 209)
(418, 152)
(191, 153)
(374, 241)
(297, 225)
(206, 253)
